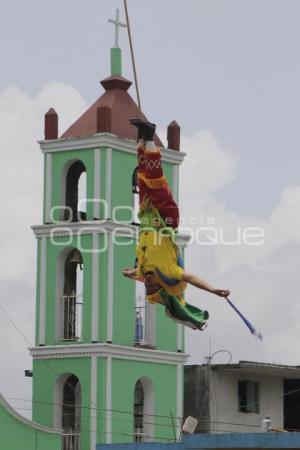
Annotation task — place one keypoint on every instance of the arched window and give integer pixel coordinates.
(67, 409)
(135, 198)
(138, 412)
(143, 420)
(75, 191)
(72, 298)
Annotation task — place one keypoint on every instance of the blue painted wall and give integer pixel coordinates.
(215, 441)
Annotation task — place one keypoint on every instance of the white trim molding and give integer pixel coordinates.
(95, 289)
(110, 289)
(99, 226)
(108, 181)
(180, 327)
(108, 400)
(180, 337)
(42, 292)
(175, 182)
(104, 350)
(93, 403)
(48, 188)
(97, 183)
(104, 140)
(179, 400)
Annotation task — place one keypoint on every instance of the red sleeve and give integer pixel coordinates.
(153, 184)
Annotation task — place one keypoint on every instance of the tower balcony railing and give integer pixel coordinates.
(71, 441)
(144, 324)
(72, 308)
(140, 324)
(139, 435)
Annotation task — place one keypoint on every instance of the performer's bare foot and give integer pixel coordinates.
(204, 323)
(203, 326)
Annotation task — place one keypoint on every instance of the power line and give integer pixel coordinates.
(153, 423)
(116, 411)
(106, 410)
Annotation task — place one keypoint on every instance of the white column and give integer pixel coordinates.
(179, 337)
(150, 323)
(42, 293)
(179, 399)
(95, 288)
(108, 400)
(110, 289)
(108, 180)
(175, 182)
(180, 328)
(48, 187)
(97, 183)
(93, 403)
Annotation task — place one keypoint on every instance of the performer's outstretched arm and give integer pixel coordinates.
(201, 284)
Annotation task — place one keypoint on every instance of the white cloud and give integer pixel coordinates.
(263, 278)
(21, 173)
(209, 168)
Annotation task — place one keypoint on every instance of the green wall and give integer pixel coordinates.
(124, 294)
(123, 165)
(17, 433)
(46, 373)
(125, 374)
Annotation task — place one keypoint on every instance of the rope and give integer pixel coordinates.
(133, 59)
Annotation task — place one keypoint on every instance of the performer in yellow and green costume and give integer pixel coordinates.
(159, 264)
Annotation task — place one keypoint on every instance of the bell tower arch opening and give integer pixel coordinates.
(67, 409)
(74, 182)
(70, 271)
(143, 410)
(135, 197)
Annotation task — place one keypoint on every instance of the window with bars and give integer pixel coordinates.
(248, 396)
(72, 299)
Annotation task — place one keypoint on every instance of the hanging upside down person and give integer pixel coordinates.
(159, 264)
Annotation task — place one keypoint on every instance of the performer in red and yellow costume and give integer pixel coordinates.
(159, 264)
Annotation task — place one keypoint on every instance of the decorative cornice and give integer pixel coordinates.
(85, 227)
(104, 140)
(105, 350)
(95, 226)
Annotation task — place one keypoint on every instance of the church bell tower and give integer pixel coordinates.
(107, 367)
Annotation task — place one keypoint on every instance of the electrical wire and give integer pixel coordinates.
(116, 411)
(148, 423)
(105, 410)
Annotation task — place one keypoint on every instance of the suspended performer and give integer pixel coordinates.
(159, 264)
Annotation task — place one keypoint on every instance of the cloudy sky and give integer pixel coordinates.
(228, 72)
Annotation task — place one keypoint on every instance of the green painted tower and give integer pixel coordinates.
(107, 367)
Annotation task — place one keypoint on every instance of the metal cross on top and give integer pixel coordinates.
(117, 24)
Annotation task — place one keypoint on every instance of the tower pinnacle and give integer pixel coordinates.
(115, 52)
